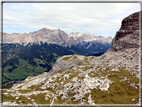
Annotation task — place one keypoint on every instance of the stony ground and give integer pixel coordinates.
(77, 82)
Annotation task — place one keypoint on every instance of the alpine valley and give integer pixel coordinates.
(34, 53)
(76, 77)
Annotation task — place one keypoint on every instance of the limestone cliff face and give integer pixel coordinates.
(89, 37)
(112, 78)
(42, 35)
(52, 36)
(125, 48)
(70, 41)
(128, 35)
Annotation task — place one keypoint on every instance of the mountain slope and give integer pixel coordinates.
(57, 37)
(112, 78)
(21, 61)
(43, 35)
(53, 36)
(87, 37)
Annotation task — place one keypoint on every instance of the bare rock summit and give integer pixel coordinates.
(128, 35)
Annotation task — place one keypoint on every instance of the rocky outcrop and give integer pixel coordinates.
(112, 78)
(125, 48)
(128, 35)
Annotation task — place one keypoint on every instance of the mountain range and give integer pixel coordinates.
(112, 78)
(41, 45)
(86, 41)
(53, 36)
(24, 48)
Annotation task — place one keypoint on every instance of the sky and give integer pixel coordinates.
(97, 18)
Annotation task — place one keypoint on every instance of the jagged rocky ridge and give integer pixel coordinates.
(87, 37)
(87, 42)
(112, 78)
(43, 35)
(53, 36)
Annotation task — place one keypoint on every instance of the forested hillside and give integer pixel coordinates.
(21, 61)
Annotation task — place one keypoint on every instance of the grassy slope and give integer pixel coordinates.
(22, 61)
(121, 91)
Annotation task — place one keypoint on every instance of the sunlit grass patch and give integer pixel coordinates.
(25, 91)
(58, 79)
(7, 67)
(81, 63)
(56, 58)
(74, 57)
(38, 61)
(7, 98)
(93, 74)
(86, 60)
(30, 67)
(40, 70)
(66, 58)
(59, 100)
(22, 99)
(120, 91)
(36, 87)
(40, 98)
(23, 62)
(81, 77)
(86, 68)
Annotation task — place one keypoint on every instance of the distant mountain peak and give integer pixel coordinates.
(109, 37)
(91, 34)
(44, 29)
(100, 36)
(51, 36)
(72, 33)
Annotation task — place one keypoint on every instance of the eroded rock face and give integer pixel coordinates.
(128, 35)
(42, 35)
(125, 49)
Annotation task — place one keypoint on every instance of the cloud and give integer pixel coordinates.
(98, 18)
